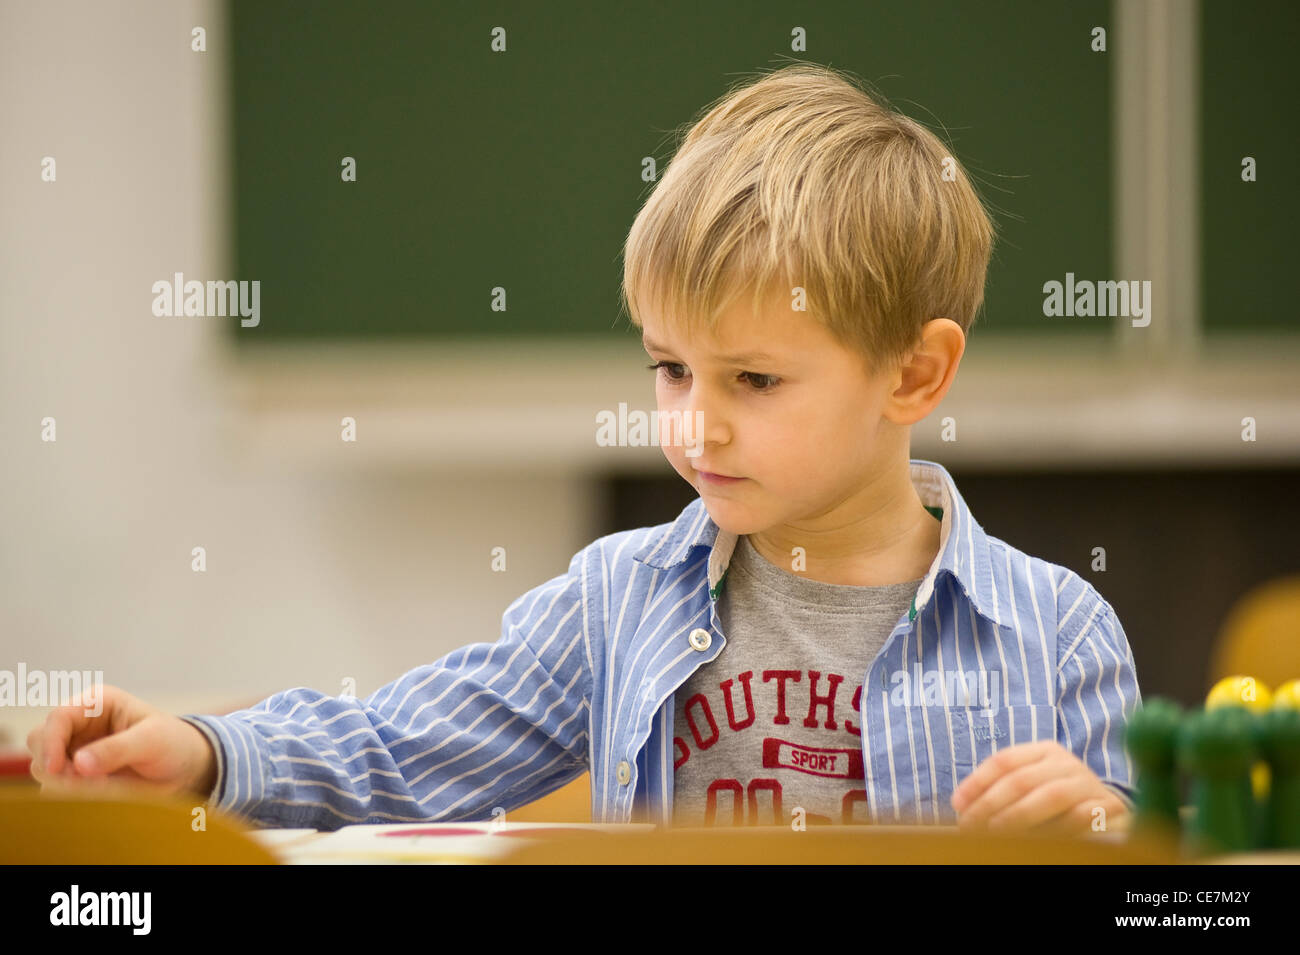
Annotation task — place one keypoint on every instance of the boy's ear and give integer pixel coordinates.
(924, 375)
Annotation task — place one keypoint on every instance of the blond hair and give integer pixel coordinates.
(802, 178)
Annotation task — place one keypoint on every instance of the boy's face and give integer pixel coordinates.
(786, 409)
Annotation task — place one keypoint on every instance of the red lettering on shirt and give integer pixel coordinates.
(851, 799)
(737, 801)
(831, 763)
(827, 701)
(755, 816)
(857, 703)
(781, 676)
(725, 687)
(679, 746)
(703, 702)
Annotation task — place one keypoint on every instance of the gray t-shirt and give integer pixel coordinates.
(772, 724)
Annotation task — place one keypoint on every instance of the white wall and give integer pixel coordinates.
(313, 574)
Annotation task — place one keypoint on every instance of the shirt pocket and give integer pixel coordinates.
(976, 735)
(1010, 726)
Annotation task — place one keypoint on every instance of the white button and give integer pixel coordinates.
(700, 639)
(624, 773)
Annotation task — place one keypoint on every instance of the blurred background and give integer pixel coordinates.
(210, 139)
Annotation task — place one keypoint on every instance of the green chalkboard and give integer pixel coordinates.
(1248, 79)
(521, 169)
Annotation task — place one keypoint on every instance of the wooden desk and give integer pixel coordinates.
(108, 830)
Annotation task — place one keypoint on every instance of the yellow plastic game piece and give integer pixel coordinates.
(1243, 690)
(1288, 695)
(1255, 696)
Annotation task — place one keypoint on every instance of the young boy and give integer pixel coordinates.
(824, 635)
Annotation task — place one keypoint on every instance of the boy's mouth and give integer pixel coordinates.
(717, 478)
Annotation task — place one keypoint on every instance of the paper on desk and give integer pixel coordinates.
(416, 842)
(275, 839)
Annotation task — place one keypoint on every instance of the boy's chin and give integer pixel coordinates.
(732, 518)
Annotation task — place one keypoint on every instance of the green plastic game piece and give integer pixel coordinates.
(1278, 736)
(1150, 736)
(1216, 748)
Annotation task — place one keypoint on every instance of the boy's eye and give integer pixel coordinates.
(665, 365)
(758, 381)
(761, 382)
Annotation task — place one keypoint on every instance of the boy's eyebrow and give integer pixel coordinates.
(744, 359)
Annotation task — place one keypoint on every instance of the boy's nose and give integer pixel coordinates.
(706, 427)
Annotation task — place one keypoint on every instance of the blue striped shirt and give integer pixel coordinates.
(583, 676)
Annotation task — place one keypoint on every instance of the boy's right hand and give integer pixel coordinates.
(128, 741)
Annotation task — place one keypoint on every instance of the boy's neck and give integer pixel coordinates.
(889, 544)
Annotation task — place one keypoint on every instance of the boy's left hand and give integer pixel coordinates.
(1040, 785)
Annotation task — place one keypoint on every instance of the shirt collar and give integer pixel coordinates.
(963, 545)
